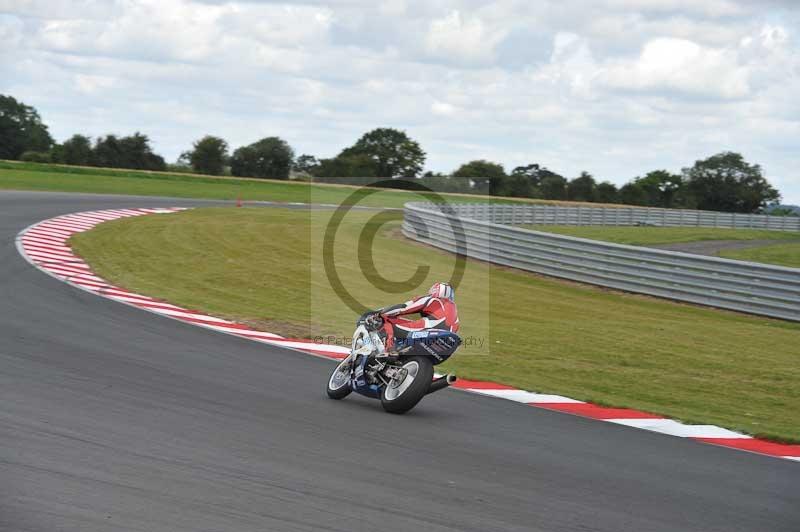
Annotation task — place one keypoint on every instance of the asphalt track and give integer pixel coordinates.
(112, 418)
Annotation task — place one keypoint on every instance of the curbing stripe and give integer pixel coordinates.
(45, 246)
(676, 428)
(757, 446)
(48, 243)
(599, 412)
(479, 386)
(530, 398)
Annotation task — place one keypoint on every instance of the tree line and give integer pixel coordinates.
(23, 136)
(722, 182)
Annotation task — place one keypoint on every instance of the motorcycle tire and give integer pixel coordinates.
(339, 381)
(399, 398)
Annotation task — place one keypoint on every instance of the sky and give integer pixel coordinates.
(613, 87)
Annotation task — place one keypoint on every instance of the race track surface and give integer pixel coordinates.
(112, 418)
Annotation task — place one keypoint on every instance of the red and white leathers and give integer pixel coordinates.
(435, 312)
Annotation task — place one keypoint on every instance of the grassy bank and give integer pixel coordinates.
(647, 236)
(264, 266)
(781, 254)
(62, 178)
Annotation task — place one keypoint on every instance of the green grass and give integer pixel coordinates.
(264, 266)
(647, 236)
(780, 254)
(61, 178)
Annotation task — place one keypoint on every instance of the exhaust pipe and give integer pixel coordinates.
(441, 383)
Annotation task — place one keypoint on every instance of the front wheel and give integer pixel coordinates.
(339, 383)
(406, 389)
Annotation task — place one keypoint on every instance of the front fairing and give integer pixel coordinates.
(358, 380)
(365, 343)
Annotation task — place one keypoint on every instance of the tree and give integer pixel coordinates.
(661, 187)
(394, 153)
(553, 187)
(137, 153)
(726, 182)
(133, 151)
(305, 164)
(107, 152)
(606, 192)
(270, 157)
(784, 210)
(518, 186)
(355, 169)
(75, 150)
(444, 183)
(534, 173)
(582, 188)
(21, 129)
(487, 177)
(208, 155)
(633, 194)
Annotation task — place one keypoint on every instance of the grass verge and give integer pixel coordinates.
(781, 254)
(647, 236)
(62, 178)
(263, 266)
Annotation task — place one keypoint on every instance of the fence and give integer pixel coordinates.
(744, 286)
(511, 214)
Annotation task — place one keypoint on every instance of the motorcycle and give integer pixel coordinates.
(400, 378)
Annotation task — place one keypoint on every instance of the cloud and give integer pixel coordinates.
(681, 65)
(180, 30)
(11, 33)
(572, 64)
(61, 9)
(462, 38)
(89, 84)
(615, 87)
(714, 8)
(443, 109)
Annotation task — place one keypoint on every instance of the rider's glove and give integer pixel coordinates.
(373, 321)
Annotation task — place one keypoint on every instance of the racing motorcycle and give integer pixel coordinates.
(399, 378)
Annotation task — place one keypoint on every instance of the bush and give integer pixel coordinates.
(180, 169)
(35, 157)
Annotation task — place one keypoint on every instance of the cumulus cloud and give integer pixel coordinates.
(682, 65)
(462, 38)
(616, 87)
(572, 64)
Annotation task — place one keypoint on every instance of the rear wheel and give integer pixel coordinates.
(339, 382)
(406, 389)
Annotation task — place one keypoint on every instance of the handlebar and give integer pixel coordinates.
(372, 320)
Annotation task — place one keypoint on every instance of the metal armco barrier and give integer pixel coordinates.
(743, 286)
(510, 214)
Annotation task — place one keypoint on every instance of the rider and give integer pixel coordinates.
(437, 310)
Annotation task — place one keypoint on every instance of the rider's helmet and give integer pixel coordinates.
(443, 290)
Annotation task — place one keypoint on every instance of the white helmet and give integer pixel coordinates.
(443, 290)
